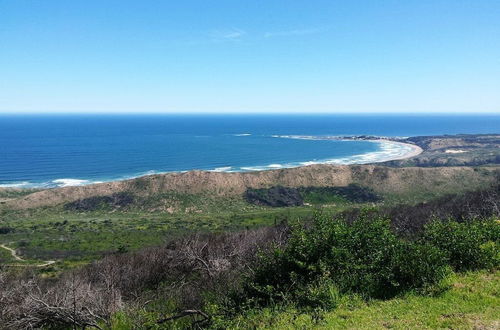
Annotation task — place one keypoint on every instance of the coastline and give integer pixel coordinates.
(415, 150)
(389, 150)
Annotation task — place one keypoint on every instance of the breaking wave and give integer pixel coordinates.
(387, 150)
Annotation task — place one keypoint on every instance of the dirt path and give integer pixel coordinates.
(18, 258)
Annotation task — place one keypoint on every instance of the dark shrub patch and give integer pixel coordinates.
(274, 197)
(409, 220)
(364, 257)
(468, 245)
(6, 230)
(352, 193)
(285, 196)
(117, 200)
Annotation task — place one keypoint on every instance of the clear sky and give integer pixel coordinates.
(249, 56)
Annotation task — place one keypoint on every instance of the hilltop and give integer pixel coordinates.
(448, 158)
(385, 180)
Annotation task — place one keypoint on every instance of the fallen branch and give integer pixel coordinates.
(184, 313)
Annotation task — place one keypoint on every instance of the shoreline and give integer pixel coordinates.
(389, 150)
(416, 150)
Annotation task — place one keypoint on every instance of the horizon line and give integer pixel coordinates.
(248, 113)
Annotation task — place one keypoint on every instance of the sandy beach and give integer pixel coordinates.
(389, 150)
(411, 150)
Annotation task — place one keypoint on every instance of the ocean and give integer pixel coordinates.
(64, 150)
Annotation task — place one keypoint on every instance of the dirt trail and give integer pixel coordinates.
(18, 258)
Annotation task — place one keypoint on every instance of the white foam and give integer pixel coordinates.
(388, 150)
(242, 134)
(298, 137)
(222, 169)
(311, 162)
(24, 184)
(134, 176)
(70, 182)
(253, 168)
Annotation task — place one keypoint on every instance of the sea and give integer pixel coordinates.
(44, 151)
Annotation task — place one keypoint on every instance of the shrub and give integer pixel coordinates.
(364, 257)
(410, 220)
(320, 294)
(6, 230)
(28, 302)
(286, 196)
(468, 245)
(117, 200)
(351, 193)
(183, 274)
(274, 197)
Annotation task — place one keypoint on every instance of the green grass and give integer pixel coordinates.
(5, 256)
(472, 302)
(53, 233)
(56, 234)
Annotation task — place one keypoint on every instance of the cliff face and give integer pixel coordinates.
(379, 178)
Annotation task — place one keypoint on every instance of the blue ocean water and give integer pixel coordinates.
(59, 150)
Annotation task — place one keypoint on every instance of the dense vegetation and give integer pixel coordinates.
(80, 224)
(274, 197)
(333, 257)
(271, 257)
(112, 201)
(409, 220)
(367, 258)
(76, 237)
(212, 280)
(353, 193)
(286, 196)
(471, 302)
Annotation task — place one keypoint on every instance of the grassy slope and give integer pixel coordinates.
(55, 234)
(5, 256)
(473, 302)
(167, 188)
(52, 233)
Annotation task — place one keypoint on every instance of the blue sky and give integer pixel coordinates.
(249, 56)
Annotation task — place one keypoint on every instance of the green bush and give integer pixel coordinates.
(364, 257)
(352, 193)
(321, 294)
(468, 245)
